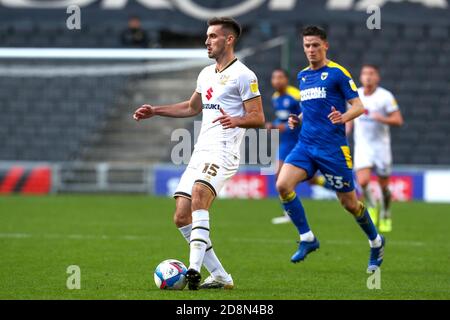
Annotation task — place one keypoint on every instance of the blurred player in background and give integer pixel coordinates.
(227, 93)
(286, 101)
(373, 143)
(325, 87)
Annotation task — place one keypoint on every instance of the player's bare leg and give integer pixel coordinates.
(284, 218)
(351, 203)
(288, 179)
(363, 178)
(183, 220)
(385, 212)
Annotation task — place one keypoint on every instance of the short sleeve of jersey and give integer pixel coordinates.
(295, 94)
(248, 86)
(347, 85)
(390, 103)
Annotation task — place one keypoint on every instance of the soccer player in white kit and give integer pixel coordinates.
(373, 142)
(228, 96)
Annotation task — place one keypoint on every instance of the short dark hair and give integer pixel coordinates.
(283, 71)
(314, 31)
(371, 65)
(227, 23)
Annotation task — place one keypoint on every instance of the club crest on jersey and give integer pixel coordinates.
(224, 79)
(324, 75)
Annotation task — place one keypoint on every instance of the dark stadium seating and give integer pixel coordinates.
(53, 119)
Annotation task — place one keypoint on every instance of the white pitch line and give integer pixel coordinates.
(72, 236)
(140, 237)
(332, 242)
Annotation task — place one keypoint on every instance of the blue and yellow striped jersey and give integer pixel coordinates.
(321, 89)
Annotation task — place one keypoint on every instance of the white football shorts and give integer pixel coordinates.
(209, 169)
(379, 158)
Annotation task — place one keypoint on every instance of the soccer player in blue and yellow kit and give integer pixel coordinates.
(286, 101)
(325, 89)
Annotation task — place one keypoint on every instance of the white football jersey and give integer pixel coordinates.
(367, 131)
(227, 89)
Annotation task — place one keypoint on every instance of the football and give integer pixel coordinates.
(170, 274)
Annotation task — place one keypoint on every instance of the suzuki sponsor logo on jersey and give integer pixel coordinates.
(214, 106)
(314, 93)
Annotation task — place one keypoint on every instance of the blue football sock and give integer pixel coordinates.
(294, 208)
(365, 222)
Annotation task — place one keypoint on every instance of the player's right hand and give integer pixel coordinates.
(143, 112)
(293, 121)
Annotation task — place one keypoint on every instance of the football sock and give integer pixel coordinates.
(294, 208)
(375, 243)
(363, 219)
(368, 196)
(199, 238)
(210, 261)
(186, 232)
(385, 203)
(307, 237)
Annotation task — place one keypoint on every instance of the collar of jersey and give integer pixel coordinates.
(227, 66)
(316, 70)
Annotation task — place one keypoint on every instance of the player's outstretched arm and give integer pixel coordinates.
(253, 118)
(392, 119)
(356, 109)
(183, 109)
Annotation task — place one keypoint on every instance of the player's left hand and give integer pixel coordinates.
(335, 116)
(377, 116)
(226, 120)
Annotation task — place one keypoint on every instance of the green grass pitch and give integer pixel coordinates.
(117, 241)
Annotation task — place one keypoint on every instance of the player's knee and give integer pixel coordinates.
(363, 182)
(283, 189)
(350, 205)
(201, 197)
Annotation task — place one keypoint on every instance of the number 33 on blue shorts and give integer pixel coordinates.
(335, 163)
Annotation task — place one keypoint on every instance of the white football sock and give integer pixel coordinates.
(375, 243)
(371, 203)
(210, 261)
(186, 232)
(199, 238)
(307, 237)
